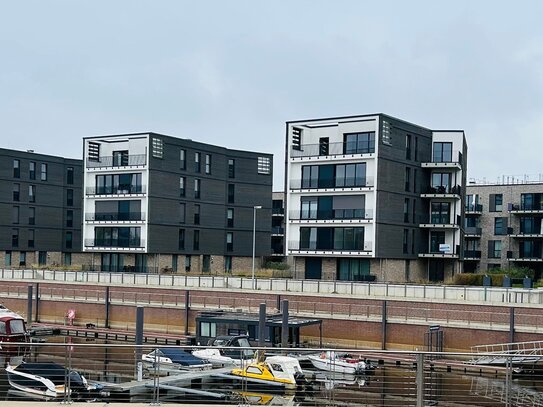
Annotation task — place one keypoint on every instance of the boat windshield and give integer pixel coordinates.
(16, 326)
(2, 327)
(243, 343)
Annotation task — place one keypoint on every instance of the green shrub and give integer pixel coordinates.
(514, 272)
(497, 279)
(468, 279)
(276, 265)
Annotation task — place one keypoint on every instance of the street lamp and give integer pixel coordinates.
(253, 282)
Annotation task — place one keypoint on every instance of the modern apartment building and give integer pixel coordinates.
(372, 197)
(278, 225)
(40, 209)
(155, 202)
(503, 226)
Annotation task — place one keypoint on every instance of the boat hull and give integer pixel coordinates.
(337, 366)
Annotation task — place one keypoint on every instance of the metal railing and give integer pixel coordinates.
(358, 182)
(278, 211)
(125, 243)
(314, 150)
(473, 230)
(127, 373)
(455, 157)
(473, 208)
(115, 216)
(278, 230)
(444, 189)
(115, 190)
(136, 160)
(333, 214)
(313, 245)
(472, 254)
(377, 290)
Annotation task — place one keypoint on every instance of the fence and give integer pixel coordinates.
(412, 292)
(128, 373)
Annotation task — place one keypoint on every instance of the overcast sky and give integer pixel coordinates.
(232, 72)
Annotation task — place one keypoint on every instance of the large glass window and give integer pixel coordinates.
(359, 143)
(494, 249)
(436, 239)
(117, 236)
(441, 182)
(70, 175)
(308, 238)
(231, 168)
(310, 176)
(118, 184)
(442, 152)
(197, 184)
(229, 241)
(353, 269)
(16, 169)
(309, 206)
(208, 163)
(16, 192)
(43, 172)
(500, 226)
(197, 162)
(231, 193)
(182, 181)
(183, 159)
(440, 213)
(531, 201)
(349, 238)
(351, 175)
(32, 170)
(230, 217)
(31, 193)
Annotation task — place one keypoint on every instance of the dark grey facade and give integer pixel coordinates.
(40, 208)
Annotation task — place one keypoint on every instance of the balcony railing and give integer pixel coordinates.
(334, 214)
(116, 190)
(278, 230)
(472, 254)
(454, 158)
(313, 245)
(444, 189)
(534, 255)
(137, 160)
(127, 243)
(473, 208)
(473, 230)
(278, 211)
(525, 207)
(115, 216)
(332, 184)
(434, 249)
(315, 150)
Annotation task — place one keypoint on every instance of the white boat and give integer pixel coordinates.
(331, 361)
(175, 359)
(49, 379)
(224, 351)
(217, 358)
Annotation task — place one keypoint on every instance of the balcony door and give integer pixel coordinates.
(120, 158)
(313, 268)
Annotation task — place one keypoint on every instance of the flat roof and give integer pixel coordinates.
(271, 320)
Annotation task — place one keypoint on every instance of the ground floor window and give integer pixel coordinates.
(174, 263)
(188, 262)
(67, 259)
(208, 329)
(206, 263)
(353, 269)
(42, 258)
(111, 261)
(22, 259)
(228, 264)
(8, 258)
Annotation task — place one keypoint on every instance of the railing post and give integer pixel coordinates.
(420, 380)
(508, 381)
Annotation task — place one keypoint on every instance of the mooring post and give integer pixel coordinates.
(262, 325)
(187, 309)
(37, 317)
(420, 380)
(511, 324)
(29, 305)
(384, 326)
(139, 342)
(284, 324)
(107, 305)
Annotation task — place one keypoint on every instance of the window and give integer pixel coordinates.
(324, 145)
(197, 188)
(197, 214)
(22, 259)
(32, 170)
(188, 263)
(308, 238)
(196, 240)
(309, 207)
(500, 226)
(310, 176)
(118, 184)
(440, 213)
(43, 172)
(229, 241)
(296, 138)
(181, 239)
(359, 143)
(197, 162)
(69, 218)
(415, 180)
(42, 258)
(531, 201)
(16, 169)
(175, 259)
(208, 329)
(69, 197)
(93, 151)
(7, 260)
(348, 175)
(31, 236)
(120, 158)
(386, 133)
(230, 217)
(351, 269)
(182, 212)
(347, 239)
(530, 225)
(67, 259)
(441, 183)
(231, 168)
(494, 249)
(16, 192)
(70, 175)
(15, 215)
(228, 264)
(405, 241)
(231, 193)
(15, 237)
(31, 216)
(117, 237)
(183, 159)
(208, 163)
(442, 153)
(157, 147)
(69, 240)
(416, 148)
(206, 263)
(181, 186)
(407, 178)
(408, 146)
(414, 210)
(264, 165)
(496, 202)
(436, 239)
(406, 210)
(31, 193)
(413, 241)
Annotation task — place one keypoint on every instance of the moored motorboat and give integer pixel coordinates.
(12, 330)
(50, 379)
(175, 359)
(331, 361)
(224, 351)
(282, 371)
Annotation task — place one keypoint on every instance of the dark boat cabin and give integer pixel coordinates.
(12, 330)
(211, 325)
